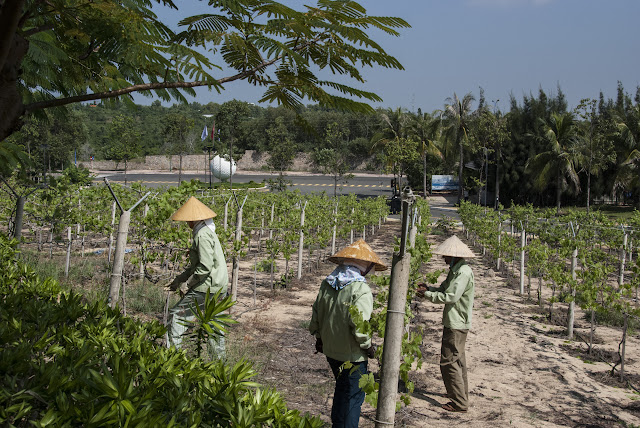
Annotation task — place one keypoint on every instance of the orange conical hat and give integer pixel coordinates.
(193, 210)
(359, 250)
(454, 247)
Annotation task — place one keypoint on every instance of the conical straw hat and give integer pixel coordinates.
(193, 210)
(359, 250)
(454, 247)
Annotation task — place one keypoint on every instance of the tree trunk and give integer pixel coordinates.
(13, 48)
(558, 193)
(588, 190)
(460, 168)
(394, 329)
(424, 175)
(498, 154)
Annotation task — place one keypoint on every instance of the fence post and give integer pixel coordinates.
(523, 243)
(226, 214)
(301, 243)
(121, 242)
(499, 240)
(352, 211)
(66, 267)
(335, 229)
(113, 223)
(236, 261)
(623, 255)
(385, 413)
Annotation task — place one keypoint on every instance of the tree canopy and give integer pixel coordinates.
(59, 52)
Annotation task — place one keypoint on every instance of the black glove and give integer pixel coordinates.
(318, 345)
(371, 351)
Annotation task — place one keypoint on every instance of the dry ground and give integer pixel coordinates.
(522, 371)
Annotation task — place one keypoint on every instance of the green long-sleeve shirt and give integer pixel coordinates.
(331, 320)
(456, 292)
(207, 268)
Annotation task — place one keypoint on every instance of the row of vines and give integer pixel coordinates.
(82, 222)
(579, 258)
(275, 226)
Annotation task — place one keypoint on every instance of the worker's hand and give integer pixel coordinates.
(422, 288)
(371, 351)
(318, 345)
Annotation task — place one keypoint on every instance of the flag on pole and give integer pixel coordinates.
(213, 129)
(204, 133)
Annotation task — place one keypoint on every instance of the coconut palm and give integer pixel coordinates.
(457, 113)
(395, 127)
(559, 162)
(628, 174)
(595, 145)
(426, 129)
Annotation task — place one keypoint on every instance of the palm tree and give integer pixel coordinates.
(628, 174)
(559, 162)
(595, 147)
(394, 131)
(426, 128)
(457, 113)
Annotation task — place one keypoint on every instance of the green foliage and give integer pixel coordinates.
(282, 150)
(445, 224)
(78, 175)
(124, 139)
(549, 250)
(66, 362)
(334, 158)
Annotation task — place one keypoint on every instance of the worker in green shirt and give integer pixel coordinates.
(207, 271)
(456, 293)
(336, 334)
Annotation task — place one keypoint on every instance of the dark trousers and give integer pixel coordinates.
(348, 397)
(453, 366)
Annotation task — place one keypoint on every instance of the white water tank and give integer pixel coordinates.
(221, 168)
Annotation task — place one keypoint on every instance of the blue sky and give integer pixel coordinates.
(504, 46)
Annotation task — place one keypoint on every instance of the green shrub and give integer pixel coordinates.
(65, 362)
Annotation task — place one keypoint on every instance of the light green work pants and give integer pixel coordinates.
(177, 323)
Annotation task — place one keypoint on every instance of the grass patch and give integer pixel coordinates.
(144, 297)
(619, 213)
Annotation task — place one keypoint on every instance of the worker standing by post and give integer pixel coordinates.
(456, 293)
(336, 333)
(207, 271)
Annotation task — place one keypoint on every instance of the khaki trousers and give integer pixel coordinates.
(453, 366)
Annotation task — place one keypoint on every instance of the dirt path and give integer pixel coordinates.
(522, 371)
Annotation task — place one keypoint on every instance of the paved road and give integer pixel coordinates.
(362, 185)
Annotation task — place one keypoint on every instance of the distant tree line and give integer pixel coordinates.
(538, 152)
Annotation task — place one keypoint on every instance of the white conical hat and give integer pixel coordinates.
(454, 247)
(193, 210)
(359, 250)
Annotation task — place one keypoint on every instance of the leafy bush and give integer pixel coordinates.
(66, 362)
(77, 175)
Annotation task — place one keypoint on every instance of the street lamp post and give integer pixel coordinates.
(209, 148)
(44, 148)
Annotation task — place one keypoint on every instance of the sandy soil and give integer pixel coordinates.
(522, 370)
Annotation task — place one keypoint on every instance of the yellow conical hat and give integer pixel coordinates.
(454, 247)
(193, 210)
(359, 250)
